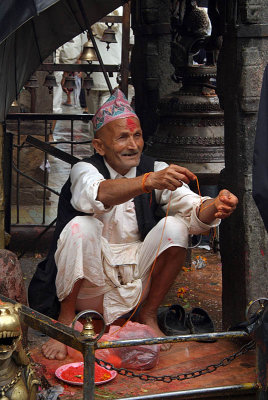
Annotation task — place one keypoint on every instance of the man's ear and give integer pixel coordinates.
(98, 146)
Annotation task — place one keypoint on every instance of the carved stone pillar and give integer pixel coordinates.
(150, 66)
(2, 205)
(244, 245)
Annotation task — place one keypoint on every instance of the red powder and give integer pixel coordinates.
(131, 124)
(75, 229)
(75, 374)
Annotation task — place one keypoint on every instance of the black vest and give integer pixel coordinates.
(42, 290)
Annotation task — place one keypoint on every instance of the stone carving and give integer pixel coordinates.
(251, 80)
(252, 11)
(187, 140)
(17, 378)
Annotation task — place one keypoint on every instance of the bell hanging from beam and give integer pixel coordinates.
(109, 36)
(15, 103)
(69, 82)
(32, 83)
(89, 53)
(50, 82)
(88, 83)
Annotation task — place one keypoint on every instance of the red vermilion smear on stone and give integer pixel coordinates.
(75, 374)
(131, 124)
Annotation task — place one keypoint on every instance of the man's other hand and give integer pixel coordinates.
(225, 204)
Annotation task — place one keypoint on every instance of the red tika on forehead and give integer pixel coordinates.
(131, 124)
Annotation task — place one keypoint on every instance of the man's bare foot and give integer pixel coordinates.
(54, 350)
(150, 319)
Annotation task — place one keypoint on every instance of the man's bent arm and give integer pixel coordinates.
(117, 191)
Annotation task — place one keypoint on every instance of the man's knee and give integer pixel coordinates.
(84, 227)
(176, 230)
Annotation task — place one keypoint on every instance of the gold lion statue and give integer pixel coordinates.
(17, 378)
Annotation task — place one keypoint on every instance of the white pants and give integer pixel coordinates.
(57, 93)
(77, 91)
(114, 274)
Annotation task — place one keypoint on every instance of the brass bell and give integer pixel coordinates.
(69, 82)
(50, 82)
(89, 53)
(88, 83)
(88, 328)
(109, 36)
(32, 83)
(15, 104)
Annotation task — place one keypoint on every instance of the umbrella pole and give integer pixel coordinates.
(83, 12)
(125, 49)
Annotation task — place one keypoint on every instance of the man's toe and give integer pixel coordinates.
(165, 346)
(60, 356)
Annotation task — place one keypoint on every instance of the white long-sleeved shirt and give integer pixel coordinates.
(119, 222)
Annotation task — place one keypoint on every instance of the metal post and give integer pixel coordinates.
(2, 206)
(262, 355)
(125, 49)
(89, 371)
(72, 137)
(8, 143)
(18, 175)
(45, 177)
(33, 99)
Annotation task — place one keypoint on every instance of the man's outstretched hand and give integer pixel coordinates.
(225, 204)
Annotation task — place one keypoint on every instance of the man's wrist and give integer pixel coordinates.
(207, 204)
(144, 183)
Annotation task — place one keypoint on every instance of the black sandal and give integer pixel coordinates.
(199, 321)
(172, 320)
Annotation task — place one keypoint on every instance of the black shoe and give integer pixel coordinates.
(172, 320)
(199, 321)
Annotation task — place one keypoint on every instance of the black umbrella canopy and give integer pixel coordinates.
(32, 29)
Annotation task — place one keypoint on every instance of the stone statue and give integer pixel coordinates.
(17, 378)
(190, 130)
(189, 26)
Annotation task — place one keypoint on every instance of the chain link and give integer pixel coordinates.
(180, 377)
(5, 388)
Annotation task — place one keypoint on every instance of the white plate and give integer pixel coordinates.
(63, 368)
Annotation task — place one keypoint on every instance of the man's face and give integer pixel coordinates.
(121, 143)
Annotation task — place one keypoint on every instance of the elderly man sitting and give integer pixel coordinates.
(111, 207)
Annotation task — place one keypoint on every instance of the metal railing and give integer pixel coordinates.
(88, 345)
(14, 145)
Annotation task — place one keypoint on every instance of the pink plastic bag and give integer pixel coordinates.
(140, 357)
(135, 357)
